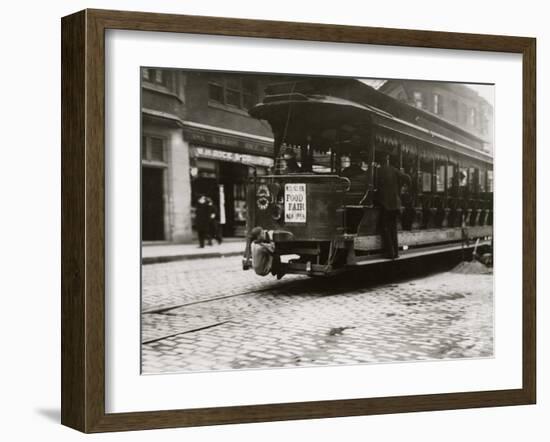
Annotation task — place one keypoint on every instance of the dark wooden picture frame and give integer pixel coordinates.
(83, 220)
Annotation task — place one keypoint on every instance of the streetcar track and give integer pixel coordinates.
(354, 278)
(205, 327)
(164, 310)
(338, 285)
(236, 318)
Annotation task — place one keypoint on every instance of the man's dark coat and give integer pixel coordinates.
(389, 185)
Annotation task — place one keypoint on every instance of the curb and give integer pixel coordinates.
(172, 258)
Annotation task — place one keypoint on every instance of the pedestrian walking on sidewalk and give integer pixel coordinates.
(202, 219)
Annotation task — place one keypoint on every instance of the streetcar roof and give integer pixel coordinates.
(297, 111)
(363, 91)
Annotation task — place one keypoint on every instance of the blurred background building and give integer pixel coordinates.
(457, 103)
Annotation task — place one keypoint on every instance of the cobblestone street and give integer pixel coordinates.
(208, 314)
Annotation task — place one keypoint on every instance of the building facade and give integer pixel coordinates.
(453, 102)
(198, 139)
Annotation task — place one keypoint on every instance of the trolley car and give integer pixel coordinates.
(327, 220)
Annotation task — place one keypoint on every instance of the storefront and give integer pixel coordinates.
(181, 161)
(221, 175)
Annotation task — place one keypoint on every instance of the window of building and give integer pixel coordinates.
(237, 92)
(454, 110)
(233, 98)
(156, 149)
(418, 99)
(437, 104)
(215, 92)
(153, 149)
(484, 127)
(160, 77)
(143, 147)
(473, 117)
(462, 114)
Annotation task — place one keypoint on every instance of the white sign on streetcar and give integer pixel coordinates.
(295, 203)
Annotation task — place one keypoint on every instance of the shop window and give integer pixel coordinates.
(206, 169)
(239, 203)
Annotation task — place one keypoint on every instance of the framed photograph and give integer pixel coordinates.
(267, 221)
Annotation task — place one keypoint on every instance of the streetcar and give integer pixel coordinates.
(323, 221)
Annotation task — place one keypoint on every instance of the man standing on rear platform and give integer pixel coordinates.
(390, 180)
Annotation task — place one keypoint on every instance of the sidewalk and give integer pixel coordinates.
(157, 253)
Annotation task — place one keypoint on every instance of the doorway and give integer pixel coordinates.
(233, 178)
(152, 203)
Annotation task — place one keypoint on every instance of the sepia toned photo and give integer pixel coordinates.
(299, 221)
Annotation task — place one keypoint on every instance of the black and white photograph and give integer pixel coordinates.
(300, 221)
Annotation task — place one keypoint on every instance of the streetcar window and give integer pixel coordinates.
(481, 181)
(426, 174)
(489, 181)
(426, 182)
(473, 179)
(345, 162)
(463, 177)
(440, 179)
(450, 176)
(321, 161)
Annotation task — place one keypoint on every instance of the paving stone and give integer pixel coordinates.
(300, 321)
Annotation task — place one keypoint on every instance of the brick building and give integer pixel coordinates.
(197, 138)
